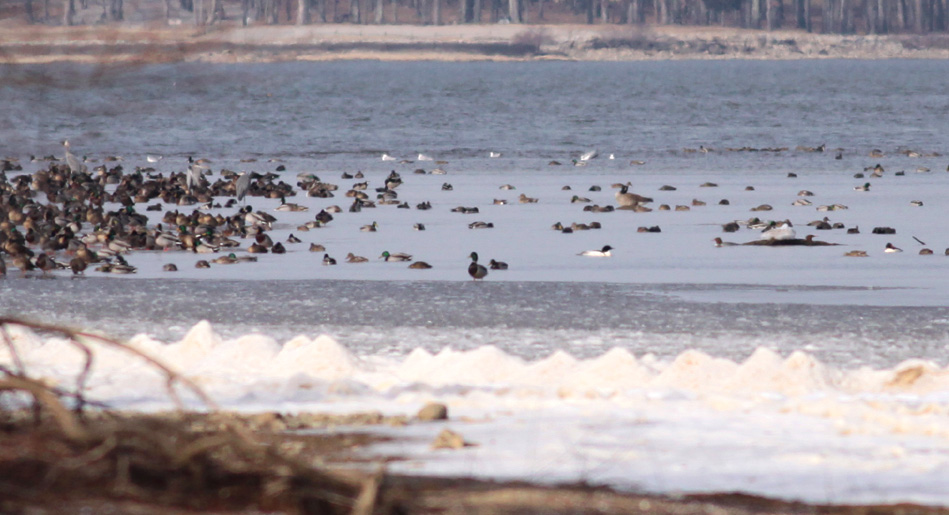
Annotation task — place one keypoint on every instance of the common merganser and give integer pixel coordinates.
(606, 251)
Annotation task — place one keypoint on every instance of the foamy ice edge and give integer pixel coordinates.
(770, 425)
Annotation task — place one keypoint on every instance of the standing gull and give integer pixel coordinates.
(75, 165)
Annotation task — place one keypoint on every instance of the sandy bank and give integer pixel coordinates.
(135, 44)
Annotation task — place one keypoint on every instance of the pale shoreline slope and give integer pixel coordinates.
(229, 44)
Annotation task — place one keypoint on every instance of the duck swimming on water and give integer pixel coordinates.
(606, 251)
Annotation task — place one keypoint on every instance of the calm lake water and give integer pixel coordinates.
(340, 111)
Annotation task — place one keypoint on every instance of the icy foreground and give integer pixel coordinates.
(789, 427)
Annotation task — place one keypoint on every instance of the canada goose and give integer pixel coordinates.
(624, 198)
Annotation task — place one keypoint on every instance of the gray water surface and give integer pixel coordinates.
(526, 319)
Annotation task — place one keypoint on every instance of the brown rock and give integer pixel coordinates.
(433, 411)
(448, 439)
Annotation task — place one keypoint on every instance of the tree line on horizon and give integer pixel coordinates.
(824, 16)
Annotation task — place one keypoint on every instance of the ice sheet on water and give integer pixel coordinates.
(530, 320)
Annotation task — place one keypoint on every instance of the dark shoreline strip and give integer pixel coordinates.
(162, 51)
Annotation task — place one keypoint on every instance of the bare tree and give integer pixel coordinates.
(303, 12)
(514, 10)
(354, 13)
(28, 7)
(69, 10)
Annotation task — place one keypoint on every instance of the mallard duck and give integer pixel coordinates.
(373, 227)
(200, 264)
(316, 247)
(864, 187)
(287, 208)
(398, 256)
(170, 267)
(420, 265)
(76, 264)
(476, 271)
(229, 259)
(606, 251)
(577, 198)
(352, 258)
(497, 265)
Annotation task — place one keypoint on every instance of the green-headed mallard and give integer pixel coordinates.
(229, 259)
(476, 271)
(398, 256)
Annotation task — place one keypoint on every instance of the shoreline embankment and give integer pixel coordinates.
(157, 43)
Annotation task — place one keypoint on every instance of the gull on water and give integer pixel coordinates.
(387, 157)
(592, 154)
(423, 157)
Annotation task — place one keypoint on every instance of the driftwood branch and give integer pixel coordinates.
(133, 455)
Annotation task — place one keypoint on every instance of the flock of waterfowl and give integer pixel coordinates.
(66, 215)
